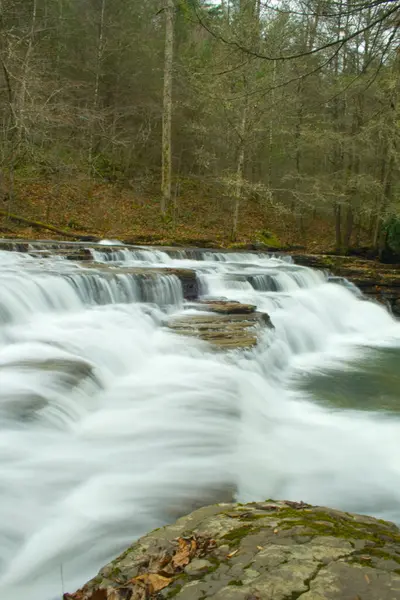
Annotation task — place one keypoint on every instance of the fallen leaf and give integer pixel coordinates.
(367, 579)
(232, 554)
(260, 548)
(100, 594)
(182, 555)
(160, 563)
(204, 545)
(119, 594)
(152, 581)
(167, 571)
(193, 548)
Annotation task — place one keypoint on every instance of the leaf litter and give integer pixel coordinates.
(157, 573)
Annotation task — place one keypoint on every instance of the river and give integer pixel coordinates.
(111, 425)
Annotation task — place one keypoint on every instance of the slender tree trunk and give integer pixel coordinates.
(59, 34)
(388, 158)
(353, 171)
(21, 126)
(348, 228)
(387, 168)
(298, 129)
(338, 226)
(239, 171)
(99, 60)
(13, 141)
(271, 127)
(166, 168)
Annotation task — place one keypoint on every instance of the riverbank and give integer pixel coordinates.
(259, 551)
(378, 281)
(200, 217)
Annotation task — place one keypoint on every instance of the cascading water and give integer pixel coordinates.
(111, 425)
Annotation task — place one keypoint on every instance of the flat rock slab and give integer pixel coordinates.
(227, 325)
(259, 551)
(226, 307)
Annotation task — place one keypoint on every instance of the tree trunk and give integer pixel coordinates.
(99, 60)
(239, 172)
(387, 168)
(388, 158)
(271, 126)
(166, 168)
(21, 126)
(338, 226)
(348, 228)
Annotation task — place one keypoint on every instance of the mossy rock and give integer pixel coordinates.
(259, 551)
(269, 238)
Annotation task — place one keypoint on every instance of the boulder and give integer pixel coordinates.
(260, 551)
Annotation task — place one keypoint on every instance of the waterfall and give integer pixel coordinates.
(111, 425)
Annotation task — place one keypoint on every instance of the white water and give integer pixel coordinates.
(111, 425)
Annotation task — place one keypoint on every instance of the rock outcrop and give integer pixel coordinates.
(224, 324)
(376, 280)
(259, 551)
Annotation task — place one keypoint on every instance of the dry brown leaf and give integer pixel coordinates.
(260, 548)
(113, 595)
(159, 563)
(232, 554)
(152, 581)
(193, 548)
(119, 594)
(167, 571)
(182, 555)
(367, 579)
(100, 594)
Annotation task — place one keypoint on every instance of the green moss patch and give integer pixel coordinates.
(236, 535)
(236, 582)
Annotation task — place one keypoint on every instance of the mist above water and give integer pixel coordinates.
(112, 425)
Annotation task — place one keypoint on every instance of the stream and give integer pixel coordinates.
(112, 425)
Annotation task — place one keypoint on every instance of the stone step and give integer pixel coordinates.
(225, 330)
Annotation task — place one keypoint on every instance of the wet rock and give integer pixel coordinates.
(79, 255)
(230, 326)
(197, 567)
(225, 307)
(263, 551)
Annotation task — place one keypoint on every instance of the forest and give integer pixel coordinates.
(227, 123)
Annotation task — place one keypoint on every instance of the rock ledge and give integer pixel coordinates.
(259, 551)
